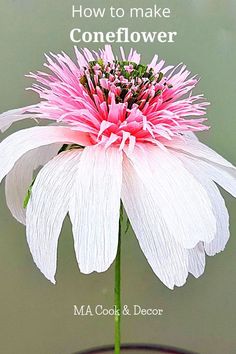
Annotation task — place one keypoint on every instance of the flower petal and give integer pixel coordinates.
(14, 115)
(17, 144)
(95, 207)
(20, 177)
(215, 166)
(47, 208)
(197, 260)
(184, 203)
(190, 135)
(224, 176)
(218, 204)
(200, 150)
(165, 255)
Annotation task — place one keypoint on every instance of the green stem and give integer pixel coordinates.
(117, 291)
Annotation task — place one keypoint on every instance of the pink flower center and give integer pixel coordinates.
(120, 102)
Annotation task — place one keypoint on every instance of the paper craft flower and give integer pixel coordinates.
(122, 131)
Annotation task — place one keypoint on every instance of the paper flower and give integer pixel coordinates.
(127, 134)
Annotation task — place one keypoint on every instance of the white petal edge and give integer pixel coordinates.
(224, 176)
(195, 148)
(47, 208)
(95, 208)
(197, 260)
(190, 135)
(14, 115)
(17, 144)
(184, 203)
(197, 257)
(218, 168)
(20, 177)
(167, 258)
(218, 204)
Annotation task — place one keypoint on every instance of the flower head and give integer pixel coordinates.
(119, 102)
(122, 131)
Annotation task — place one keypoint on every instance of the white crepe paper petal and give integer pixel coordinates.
(95, 208)
(20, 177)
(47, 208)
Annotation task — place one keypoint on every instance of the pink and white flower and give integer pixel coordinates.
(127, 132)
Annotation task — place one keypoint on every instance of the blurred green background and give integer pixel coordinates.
(37, 317)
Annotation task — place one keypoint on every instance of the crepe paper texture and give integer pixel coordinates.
(121, 131)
